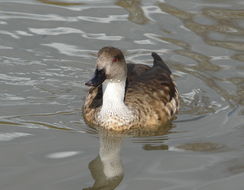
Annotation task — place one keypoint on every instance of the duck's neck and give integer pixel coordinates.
(113, 95)
(114, 110)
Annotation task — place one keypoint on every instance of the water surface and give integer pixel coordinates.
(47, 52)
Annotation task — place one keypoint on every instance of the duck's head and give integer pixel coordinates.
(110, 66)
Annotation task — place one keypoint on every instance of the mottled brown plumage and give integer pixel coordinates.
(150, 93)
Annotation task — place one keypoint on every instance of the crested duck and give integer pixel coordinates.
(129, 96)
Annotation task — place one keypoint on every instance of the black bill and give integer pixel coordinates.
(98, 78)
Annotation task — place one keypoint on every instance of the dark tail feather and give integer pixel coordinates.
(159, 62)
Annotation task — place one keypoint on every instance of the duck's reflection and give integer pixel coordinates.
(106, 169)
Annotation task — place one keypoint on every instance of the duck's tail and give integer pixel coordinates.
(157, 61)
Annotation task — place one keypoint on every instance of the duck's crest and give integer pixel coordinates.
(157, 61)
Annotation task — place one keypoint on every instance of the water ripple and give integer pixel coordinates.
(59, 155)
(12, 136)
(70, 50)
(9, 34)
(55, 31)
(6, 77)
(6, 15)
(109, 19)
(102, 36)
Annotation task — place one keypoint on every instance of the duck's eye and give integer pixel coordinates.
(115, 59)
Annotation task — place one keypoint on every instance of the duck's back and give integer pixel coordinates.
(152, 94)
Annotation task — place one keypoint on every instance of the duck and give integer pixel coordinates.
(125, 96)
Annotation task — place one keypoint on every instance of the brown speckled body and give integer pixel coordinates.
(150, 93)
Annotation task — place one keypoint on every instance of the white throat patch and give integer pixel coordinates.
(113, 109)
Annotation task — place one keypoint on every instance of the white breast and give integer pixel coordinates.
(113, 109)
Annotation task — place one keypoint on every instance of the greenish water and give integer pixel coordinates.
(47, 52)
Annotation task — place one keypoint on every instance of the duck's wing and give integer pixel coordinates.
(155, 83)
(94, 98)
(158, 62)
(135, 70)
(153, 92)
(92, 102)
(152, 79)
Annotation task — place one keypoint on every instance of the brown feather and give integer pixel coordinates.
(150, 92)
